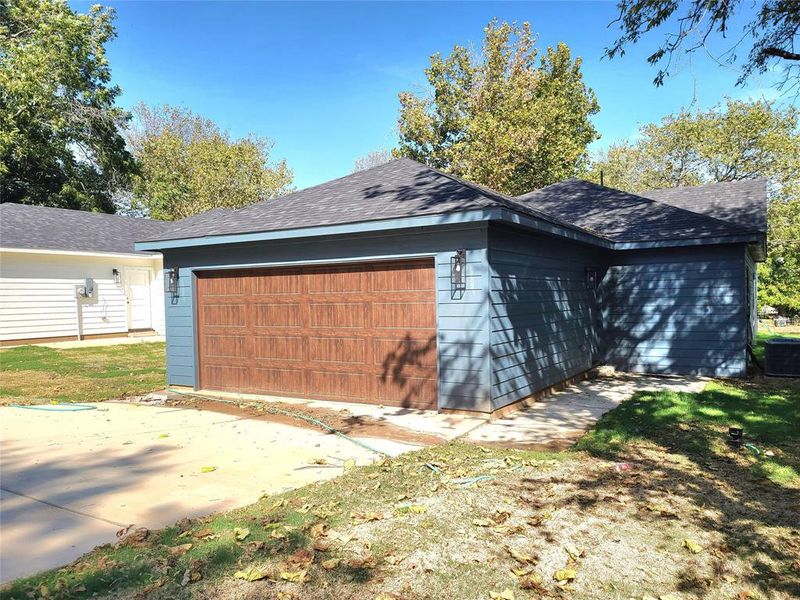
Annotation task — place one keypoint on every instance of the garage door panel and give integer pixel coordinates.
(277, 314)
(280, 283)
(363, 333)
(226, 346)
(277, 347)
(402, 280)
(222, 377)
(339, 384)
(225, 287)
(406, 351)
(338, 281)
(338, 315)
(404, 315)
(396, 390)
(277, 381)
(224, 315)
(337, 350)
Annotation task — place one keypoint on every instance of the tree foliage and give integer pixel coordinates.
(187, 165)
(59, 127)
(510, 118)
(773, 33)
(740, 140)
(373, 159)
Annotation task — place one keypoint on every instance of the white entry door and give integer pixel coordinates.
(139, 306)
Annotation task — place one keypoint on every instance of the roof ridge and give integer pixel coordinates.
(90, 213)
(511, 202)
(703, 185)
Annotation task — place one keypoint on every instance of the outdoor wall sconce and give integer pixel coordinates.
(172, 282)
(458, 272)
(116, 276)
(591, 278)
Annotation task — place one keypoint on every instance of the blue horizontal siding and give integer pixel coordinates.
(542, 316)
(676, 311)
(463, 340)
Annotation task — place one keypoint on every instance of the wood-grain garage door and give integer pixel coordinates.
(358, 333)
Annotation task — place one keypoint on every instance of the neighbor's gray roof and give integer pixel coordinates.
(400, 188)
(623, 217)
(405, 188)
(44, 228)
(743, 203)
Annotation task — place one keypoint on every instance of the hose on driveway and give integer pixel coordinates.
(294, 415)
(57, 407)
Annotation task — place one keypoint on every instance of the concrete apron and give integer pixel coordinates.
(71, 480)
(556, 422)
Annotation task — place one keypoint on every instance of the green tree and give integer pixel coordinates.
(740, 140)
(510, 118)
(691, 26)
(187, 165)
(59, 128)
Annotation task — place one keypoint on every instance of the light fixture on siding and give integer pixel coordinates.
(172, 281)
(591, 278)
(458, 271)
(116, 276)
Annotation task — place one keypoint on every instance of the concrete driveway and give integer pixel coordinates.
(70, 480)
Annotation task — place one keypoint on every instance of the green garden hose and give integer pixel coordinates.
(294, 415)
(57, 407)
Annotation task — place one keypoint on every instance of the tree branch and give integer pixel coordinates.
(771, 51)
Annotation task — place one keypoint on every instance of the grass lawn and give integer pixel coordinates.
(37, 374)
(651, 504)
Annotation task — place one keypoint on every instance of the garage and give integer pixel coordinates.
(350, 332)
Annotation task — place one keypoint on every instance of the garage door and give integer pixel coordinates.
(358, 333)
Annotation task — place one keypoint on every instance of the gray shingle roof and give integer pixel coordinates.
(400, 188)
(623, 217)
(43, 228)
(405, 188)
(743, 203)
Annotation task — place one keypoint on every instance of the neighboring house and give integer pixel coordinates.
(46, 257)
(401, 285)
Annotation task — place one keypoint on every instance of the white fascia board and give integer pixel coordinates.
(132, 255)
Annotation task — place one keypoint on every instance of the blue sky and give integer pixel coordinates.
(321, 79)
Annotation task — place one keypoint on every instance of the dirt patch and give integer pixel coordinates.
(341, 420)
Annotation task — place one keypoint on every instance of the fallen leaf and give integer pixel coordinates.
(300, 559)
(359, 518)
(278, 504)
(532, 581)
(330, 564)
(251, 574)
(565, 575)
(294, 576)
(180, 550)
(692, 546)
(164, 435)
(482, 522)
(521, 571)
(573, 552)
(322, 545)
(394, 559)
(363, 562)
(240, 533)
(277, 534)
(349, 465)
(317, 530)
(207, 469)
(521, 557)
(318, 461)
